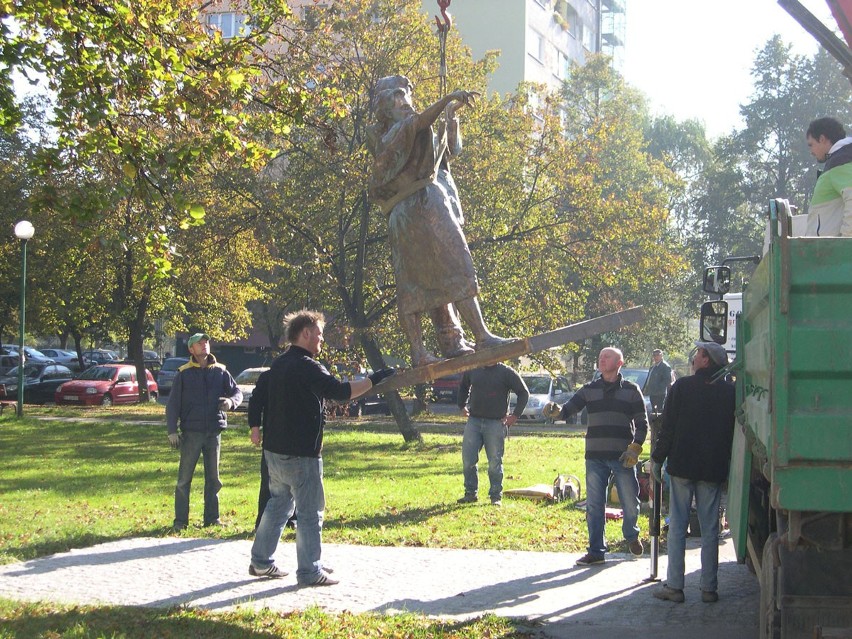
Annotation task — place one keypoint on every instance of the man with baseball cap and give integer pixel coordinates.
(203, 390)
(695, 439)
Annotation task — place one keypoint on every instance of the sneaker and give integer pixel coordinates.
(590, 560)
(215, 522)
(323, 580)
(636, 548)
(669, 594)
(273, 572)
(496, 502)
(178, 527)
(468, 499)
(709, 596)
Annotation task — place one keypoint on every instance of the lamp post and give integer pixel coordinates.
(23, 231)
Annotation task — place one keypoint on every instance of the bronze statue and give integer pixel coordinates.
(412, 184)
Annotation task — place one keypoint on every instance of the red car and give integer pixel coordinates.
(105, 385)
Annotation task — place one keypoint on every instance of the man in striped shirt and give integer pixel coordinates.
(617, 428)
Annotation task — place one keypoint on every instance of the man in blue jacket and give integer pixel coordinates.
(202, 391)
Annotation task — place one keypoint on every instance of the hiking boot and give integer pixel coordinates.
(669, 594)
(323, 580)
(709, 596)
(468, 499)
(636, 548)
(273, 572)
(590, 559)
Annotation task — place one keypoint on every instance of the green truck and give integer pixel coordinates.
(790, 486)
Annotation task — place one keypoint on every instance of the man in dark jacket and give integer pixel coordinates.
(202, 391)
(488, 424)
(659, 381)
(298, 386)
(695, 437)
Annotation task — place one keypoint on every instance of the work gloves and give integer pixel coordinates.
(630, 457)
(226, 403)
(381, 374)
(551, 410)
(657, 471)
(174, 440)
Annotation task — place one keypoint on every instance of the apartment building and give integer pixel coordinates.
(537, 39)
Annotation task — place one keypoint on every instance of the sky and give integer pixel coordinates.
(692, 58)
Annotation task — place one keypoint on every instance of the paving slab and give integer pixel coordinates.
(559, 599)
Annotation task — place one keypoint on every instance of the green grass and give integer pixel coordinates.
(27, 621)
(76, 482)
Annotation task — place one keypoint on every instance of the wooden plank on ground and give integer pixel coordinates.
(572, 333)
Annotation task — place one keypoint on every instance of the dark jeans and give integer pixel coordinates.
(193, 445)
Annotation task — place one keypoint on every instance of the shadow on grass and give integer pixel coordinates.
(404, 516)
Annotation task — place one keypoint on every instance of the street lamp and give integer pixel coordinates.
(23, 231)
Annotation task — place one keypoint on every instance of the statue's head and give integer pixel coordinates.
(385, 96)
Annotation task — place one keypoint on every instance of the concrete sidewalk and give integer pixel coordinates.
(559, 599)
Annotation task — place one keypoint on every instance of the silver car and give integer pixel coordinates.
(167, 373)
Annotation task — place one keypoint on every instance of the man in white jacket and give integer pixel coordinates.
(830, 209)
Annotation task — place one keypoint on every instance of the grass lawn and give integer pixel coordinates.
(73, 483)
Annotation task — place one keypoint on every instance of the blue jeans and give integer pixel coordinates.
(295, 483)
(490, 433)
(193, 445)
(707, 496)
(598, 472)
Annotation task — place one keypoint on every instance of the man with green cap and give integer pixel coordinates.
(202, 392)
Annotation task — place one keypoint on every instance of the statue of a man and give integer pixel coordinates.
(411, 181)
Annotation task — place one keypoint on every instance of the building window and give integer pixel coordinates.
(535, 46)
(589, 39)
(229, 24)
(561, 62)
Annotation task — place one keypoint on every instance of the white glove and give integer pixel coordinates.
(174, 440)
(225, 403)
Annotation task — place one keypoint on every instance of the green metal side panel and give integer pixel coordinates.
(796, 372)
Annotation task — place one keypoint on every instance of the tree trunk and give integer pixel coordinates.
(397, 407)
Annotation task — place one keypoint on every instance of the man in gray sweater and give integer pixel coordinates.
(484, 398)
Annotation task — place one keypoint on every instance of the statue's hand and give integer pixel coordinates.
(465, 98)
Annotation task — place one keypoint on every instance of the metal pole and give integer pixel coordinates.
(21, 355)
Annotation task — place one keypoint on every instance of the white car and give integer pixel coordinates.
(543, 388)
(246, 382)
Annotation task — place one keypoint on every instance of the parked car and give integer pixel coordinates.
(639, 376)
(167, 372)
(447, 388)
(246, 382)
(152, 362)
(64, 357)
(372, 405)
(100, 356)
(105, 384)
(543, 388)
(7, 363)
(31, 353)
(40, 382)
